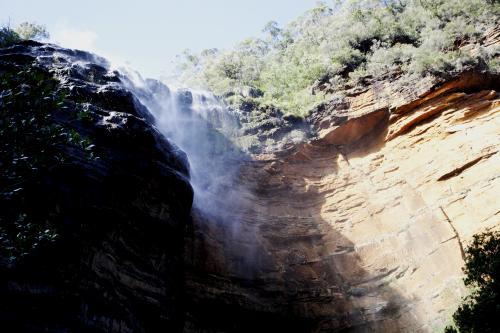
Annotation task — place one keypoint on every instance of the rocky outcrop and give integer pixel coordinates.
(119, 201)
(363, 227)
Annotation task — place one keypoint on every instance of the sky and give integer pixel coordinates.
(148, 34)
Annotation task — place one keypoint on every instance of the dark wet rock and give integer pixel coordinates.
(158, 88)
(185, 98)
(328, 114)
(250, 92)
(119, 203)
(271, 129)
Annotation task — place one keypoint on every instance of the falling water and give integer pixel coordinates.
(203, 127)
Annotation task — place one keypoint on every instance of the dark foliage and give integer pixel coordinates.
(480, 311)
(8, 36)
(29, 143)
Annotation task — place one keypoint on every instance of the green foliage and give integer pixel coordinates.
(450, 329)
(8, 37)
(25, 30)
(32, 143)
(480, 311)
(29, 30)
(27, 133)
(345, 44)
(29, 142)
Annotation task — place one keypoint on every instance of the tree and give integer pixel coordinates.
(480, 311)
(28, 30)
(273, 29)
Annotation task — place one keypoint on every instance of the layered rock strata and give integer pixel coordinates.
(363, 228)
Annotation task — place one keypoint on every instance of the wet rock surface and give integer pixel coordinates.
(121, 204)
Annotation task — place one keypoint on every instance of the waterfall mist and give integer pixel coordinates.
(202, 126)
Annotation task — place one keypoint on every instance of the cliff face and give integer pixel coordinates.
(116, 201)
(363, 228)
(354, 219)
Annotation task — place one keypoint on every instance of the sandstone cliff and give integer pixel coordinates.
(363, 228)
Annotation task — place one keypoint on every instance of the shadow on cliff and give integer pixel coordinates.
(268, 261)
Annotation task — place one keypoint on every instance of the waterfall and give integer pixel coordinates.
(202, 126)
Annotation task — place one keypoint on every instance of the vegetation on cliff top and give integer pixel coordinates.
(480, 311)
(24, 31)
(346, 45)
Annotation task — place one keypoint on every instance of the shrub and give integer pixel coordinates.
(29, 143)
(28, 30)
(8, 37)
(480, 311)
(25, 30)
(32, 143)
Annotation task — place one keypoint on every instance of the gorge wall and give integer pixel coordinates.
(363, 228)
(354, 219)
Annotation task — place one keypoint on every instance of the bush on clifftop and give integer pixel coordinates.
(25, 30)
